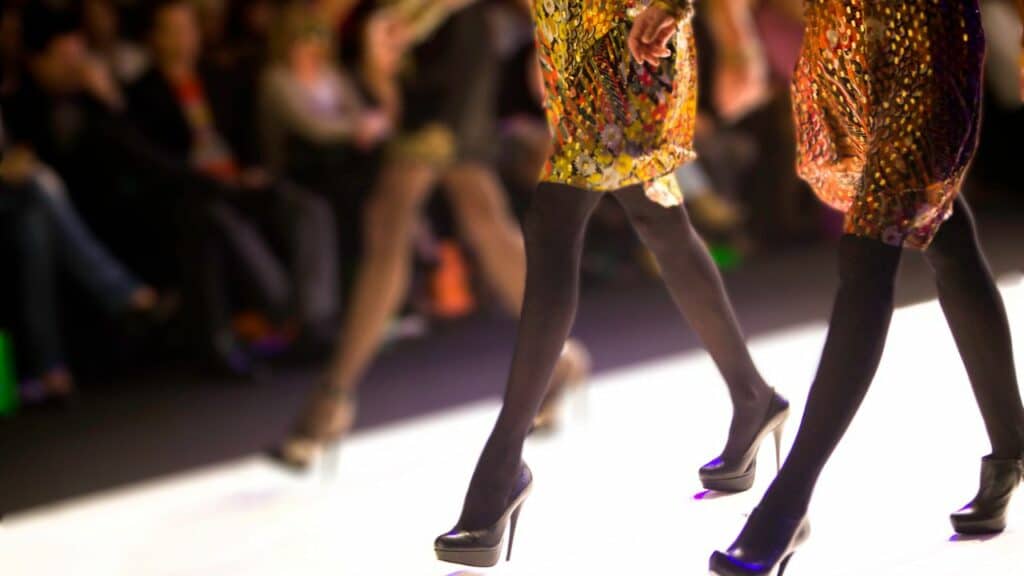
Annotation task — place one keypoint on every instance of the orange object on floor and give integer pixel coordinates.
(450, 285)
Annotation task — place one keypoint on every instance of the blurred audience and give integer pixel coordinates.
(255, 156)
(102, 26)
(285, 234)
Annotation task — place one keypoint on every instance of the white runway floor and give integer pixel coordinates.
(615, 493)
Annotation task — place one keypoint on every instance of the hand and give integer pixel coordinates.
(372, 127)
(535, 80)
(17, 165)
(1022, 75)
(253, 179)
(98, 81)
(740, 86)
(648, 40)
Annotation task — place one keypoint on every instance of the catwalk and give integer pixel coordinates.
(395, 490)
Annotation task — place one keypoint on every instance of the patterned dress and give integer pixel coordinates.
(887, 103)
(615, 122)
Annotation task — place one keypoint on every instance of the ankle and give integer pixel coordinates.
(755, 393)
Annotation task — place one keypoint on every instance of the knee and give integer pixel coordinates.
(956, 246)
(664, 229)
(868, 266)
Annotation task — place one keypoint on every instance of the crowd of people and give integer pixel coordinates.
(258, 176)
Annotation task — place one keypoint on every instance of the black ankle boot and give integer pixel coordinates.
(986, 514)
(763, 548)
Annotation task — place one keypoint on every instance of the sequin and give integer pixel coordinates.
(887, 98)
(615, 122)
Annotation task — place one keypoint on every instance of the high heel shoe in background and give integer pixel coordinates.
(763, 548)
(986, 514)
(735, 471)
(482, 547)
(328, 419)
(570, 375)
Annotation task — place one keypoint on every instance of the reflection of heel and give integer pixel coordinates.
(778, 445)
(329, 462)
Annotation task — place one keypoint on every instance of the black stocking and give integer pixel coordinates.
(856, 337)
(696, 286)
(975, 313)
(553, 231)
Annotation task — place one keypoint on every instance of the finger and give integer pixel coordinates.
(664, 35)
(649, 32)
(634, 46)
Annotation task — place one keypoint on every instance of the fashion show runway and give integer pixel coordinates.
(616, 489)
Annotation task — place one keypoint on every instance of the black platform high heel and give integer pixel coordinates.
(735, 472)
(986, 514)
(763, 548)
(482, 547)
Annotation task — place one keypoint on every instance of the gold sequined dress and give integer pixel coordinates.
(615, 122)
(887, 98)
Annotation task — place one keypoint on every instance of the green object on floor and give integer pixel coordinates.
(8, 383)
(725, 257)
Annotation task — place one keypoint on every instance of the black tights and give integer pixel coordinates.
(856, 338)
(554, 230)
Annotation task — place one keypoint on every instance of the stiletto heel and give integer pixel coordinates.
(512, 531)
(482, 547)
(778, 446)
(735, 471)
(784, 565)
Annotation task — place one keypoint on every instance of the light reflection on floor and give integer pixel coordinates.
(616, 490)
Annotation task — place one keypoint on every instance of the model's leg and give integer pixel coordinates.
(853, 349)
(696, 286)
(975, 313)
(383, 278)
(488, 225)
(554, 231)
(486, 222)
(856, 337)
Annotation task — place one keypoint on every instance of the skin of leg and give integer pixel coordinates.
(977, 317)
(553, 231)
(383, 279)
(698, 291)
(487, 224)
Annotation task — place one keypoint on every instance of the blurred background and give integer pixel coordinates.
(187, 193)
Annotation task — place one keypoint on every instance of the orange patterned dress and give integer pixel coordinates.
(615, 123)
(887, 98)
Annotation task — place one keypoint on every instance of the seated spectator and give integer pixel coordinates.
(307, 98)
(190, 114)
(44, 231)
(67, 112)
(102, 25)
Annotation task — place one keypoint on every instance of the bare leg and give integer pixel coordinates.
(488, 226)
(383, 279)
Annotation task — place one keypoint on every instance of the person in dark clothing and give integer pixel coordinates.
(188, 112)
(67, 111)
